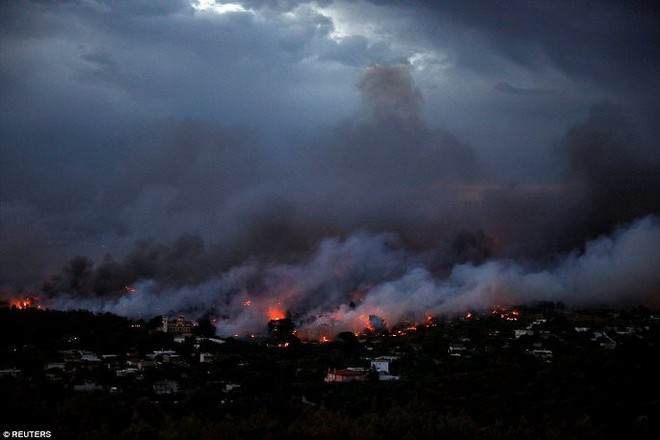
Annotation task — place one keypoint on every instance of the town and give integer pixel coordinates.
(534, 371)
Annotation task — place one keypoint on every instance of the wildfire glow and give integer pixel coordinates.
(366, 324)
(358, 295)
(28, 302)
(509, 315)
(247, 303)
(274, 312)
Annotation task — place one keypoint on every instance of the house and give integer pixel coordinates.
(604, 340)
(229, 387)
(111, 361)
(382, 365)
(161, 355)
(86, 386)
(164, 326)
(11, 372)
(88, 356)
(456, 349)
(144, 364)
(350, 374)
(545, 355)
(205, 357)
(179, 326)
(166, 387)
(55, 366)
(523, 332)
(215, 340)
(126, 372)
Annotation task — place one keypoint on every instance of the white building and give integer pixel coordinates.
(523, 332)
(205, 357)
(87, 386)
(382, 365)
(166, 387)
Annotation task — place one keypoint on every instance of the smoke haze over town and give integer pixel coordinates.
(329, 160)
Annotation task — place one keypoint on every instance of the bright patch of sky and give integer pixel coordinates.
(382, 25)
(217, 7)
(347, 25)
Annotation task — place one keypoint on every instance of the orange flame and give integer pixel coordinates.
(337, 315)
(25, 303)
(275, 312)
(247, 303)
(428, 318)
(364, 320)
(509, 315)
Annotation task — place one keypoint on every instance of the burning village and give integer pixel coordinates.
(325, 219)
(501, 372)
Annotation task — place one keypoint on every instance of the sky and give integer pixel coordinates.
(170, 143)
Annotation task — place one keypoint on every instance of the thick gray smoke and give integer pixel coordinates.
(379, 216)
(347, 285)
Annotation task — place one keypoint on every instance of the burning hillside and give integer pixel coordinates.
(368, 283)
(336, 246)
(23, 302)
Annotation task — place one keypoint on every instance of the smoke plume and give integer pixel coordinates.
(372, 222)
(371, 281)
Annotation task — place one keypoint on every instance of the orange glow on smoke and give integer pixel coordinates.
(129, 288)
(509, 315)
(275, 312)
(358, 295)
(337, 315)
(28, 302)
(366, 324)
(247, 303)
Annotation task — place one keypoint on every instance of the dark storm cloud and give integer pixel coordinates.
(379, 161)
(147, 7)
(217, 181)
(597, 39)
(505, 87)
(368, 177)
(617, 178)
